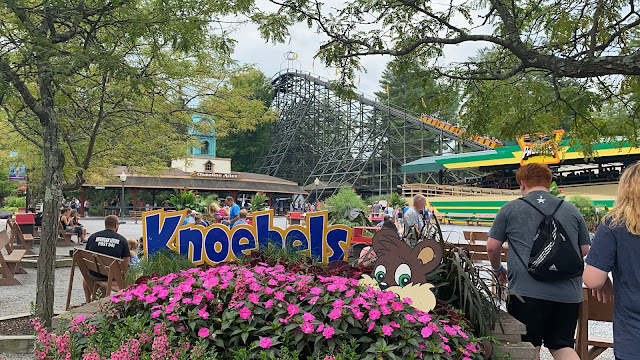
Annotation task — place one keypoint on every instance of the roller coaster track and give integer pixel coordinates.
(351, 142)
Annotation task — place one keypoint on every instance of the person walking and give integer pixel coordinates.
(616, 249)
(549, 310)
(413, 222)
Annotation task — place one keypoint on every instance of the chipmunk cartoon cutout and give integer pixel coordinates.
(403, 270)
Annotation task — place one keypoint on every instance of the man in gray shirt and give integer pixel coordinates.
(550, 309)
(413, 223)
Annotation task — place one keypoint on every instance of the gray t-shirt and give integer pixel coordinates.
(517, 222)
(412, 218)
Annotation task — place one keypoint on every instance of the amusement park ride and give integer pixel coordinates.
(375, 148)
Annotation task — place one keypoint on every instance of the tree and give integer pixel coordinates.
(594, 42)
(245, 144)
(90, 73)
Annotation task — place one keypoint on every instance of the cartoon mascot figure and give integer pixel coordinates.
(403, 270)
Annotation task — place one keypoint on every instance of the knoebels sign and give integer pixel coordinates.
(218, 243)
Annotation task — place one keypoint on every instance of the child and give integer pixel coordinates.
(133, 251)
(243, 218)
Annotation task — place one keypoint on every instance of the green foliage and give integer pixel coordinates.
(14, 201)
(591, 215)
(161, 263)
(397, 200)
(460, 283)
(375, 198)
(555, 191)
(258, 202)
(542, 64)
(187, 199)
(342, 204)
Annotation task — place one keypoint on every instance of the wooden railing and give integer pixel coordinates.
(410, 190)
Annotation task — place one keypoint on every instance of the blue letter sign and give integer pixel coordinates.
(217, 243)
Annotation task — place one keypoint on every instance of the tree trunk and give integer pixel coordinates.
(52, 189)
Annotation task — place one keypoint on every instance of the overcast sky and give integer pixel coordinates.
(270, 58)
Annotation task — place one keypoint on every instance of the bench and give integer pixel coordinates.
(10, 263)
(115, 269)
(25, 240)
(66, 236)
(478, 252)
(473, 236)
(451, 217)
(295, 217)
(135, 214)
(484, 218)
(592, 309)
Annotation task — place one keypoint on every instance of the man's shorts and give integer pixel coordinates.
(549, 322)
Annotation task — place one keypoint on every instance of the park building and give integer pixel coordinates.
(200, 170)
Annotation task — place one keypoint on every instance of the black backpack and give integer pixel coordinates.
(553, 257)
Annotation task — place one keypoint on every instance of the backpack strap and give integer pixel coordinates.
(540, 211)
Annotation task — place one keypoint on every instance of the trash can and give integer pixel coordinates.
(26, 222)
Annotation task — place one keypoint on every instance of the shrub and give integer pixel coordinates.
(233, 312)
(257, 202)
(347, 208)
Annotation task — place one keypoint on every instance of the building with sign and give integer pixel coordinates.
(202, 171)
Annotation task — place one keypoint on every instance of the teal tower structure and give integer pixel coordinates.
(207, 141)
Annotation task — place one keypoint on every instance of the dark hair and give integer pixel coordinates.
(388, 224)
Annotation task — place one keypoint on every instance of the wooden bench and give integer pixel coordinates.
(473, 236)
(484, 218)
(592, 309)
(26, 240)
(115, 269)
(10, 263)
(451, 217)
(478, 252)
(135, 214)
(66, 236)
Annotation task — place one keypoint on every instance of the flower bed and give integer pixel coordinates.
(234, 312)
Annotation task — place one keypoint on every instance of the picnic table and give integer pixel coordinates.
(359, 236)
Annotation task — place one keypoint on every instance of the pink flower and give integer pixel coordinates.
(327, 332)
(409, 318)
(370, 327)
(358, 314)
(254, 298)
(425, 318)
(338, 303)
(471, 347)
(320, 327)
(385, 310)
(387, 330)
(293, 309)
(307, 327)
(335, 313)
(308, 317)
(203, 313)
(203, 332)
(269, 303)
(279, 295)
(426, 332)
(314, 300)
(245, 313)
(350, 293)
(407, 301)
(374, 314)
(266, 343)
(329, 357)
(394, 324)
(446, 347)
(449, 330)
(156, 314)
(268, 291)
(316, 290)
(173, 318)
(397, 306)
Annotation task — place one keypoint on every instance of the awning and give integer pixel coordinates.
(435, 163)
(512, 155)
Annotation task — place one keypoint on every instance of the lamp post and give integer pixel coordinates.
(123, 178)
(316, 182)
